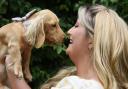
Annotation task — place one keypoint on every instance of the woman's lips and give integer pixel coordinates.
(68, 40)
(71, 41)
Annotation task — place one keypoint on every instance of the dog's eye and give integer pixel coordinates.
(53, 25)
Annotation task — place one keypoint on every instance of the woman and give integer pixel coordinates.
(99, 49)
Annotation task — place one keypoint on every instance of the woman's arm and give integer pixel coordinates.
(16, 83)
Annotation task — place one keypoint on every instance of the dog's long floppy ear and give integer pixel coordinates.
(35, 34)
(40, 38)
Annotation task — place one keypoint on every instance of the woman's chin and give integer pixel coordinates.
(67, 50)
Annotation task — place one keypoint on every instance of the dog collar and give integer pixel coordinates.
(24, 18)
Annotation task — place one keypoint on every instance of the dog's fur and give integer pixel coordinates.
(18, 38)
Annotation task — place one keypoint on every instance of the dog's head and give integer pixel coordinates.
(42, 27)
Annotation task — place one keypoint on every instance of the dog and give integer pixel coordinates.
(19, 37)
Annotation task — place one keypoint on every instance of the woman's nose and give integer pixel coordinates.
(70, 30)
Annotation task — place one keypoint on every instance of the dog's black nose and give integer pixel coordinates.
(66, 41)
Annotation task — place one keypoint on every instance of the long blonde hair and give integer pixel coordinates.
(110, 44)
(52, 82)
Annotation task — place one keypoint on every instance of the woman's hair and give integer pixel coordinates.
(110, 44)
(67, 71)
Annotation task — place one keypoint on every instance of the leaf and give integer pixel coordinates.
(3, 6)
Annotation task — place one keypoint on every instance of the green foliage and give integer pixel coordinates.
(45, 63)
(47, 60)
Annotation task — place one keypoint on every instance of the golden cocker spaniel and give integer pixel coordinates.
(18, 38)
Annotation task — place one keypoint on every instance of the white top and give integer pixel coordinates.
(75, 82)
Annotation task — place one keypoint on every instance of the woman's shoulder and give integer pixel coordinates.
(75, 82)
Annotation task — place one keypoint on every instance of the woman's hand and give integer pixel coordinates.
(14, 82)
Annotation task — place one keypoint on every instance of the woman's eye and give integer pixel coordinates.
(75, 26)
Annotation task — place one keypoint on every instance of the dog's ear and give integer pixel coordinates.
(40, 38)
(35, 34)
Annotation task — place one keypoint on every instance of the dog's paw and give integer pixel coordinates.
(18, 71)
(14, 66)
(28, 77)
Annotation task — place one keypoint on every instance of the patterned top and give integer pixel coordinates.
(75, 82)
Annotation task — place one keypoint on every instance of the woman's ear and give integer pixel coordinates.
(90, 42)
(40, 37)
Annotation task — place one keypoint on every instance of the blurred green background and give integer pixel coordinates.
(46, 61)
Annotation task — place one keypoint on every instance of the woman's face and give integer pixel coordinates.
(79, 42)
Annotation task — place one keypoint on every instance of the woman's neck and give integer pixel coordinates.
(85, 69)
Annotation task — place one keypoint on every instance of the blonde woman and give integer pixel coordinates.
(99, 49)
